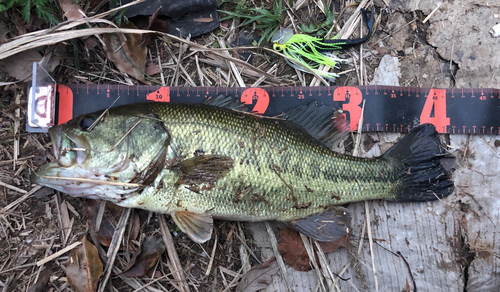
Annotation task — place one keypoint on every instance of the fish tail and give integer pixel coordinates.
(421, 163)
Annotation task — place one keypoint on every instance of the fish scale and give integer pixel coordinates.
(307, 170)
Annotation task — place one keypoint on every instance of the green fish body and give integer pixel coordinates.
(198, 162)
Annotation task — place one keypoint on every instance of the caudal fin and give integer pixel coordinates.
(419, 157)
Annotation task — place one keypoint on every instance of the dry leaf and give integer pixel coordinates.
(152, 69)
(84, 267)
(109, 219)
(128, 55)
(151, 250)
(43, 279)
(293, 251)
(20, 66)
(258, 277)
(331, 246)
(91, 42)
(70, 9)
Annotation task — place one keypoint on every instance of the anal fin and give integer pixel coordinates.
(198, 226)
(325, 226)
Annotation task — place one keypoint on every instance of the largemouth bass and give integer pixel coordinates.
(197, 162)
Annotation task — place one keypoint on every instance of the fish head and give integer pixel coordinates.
(107, 155)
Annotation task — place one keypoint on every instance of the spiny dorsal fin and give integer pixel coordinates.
(228, 102)
(198, 226)
(320, 121)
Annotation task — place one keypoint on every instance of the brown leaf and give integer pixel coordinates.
(152, 69)
(84, 267)
(91, 42)
(258, 277)
(111, 216)
(20, 66)
(43, 279)
(292, 249)
(128, 55)
(330, 246)
(71, 9)
(151, 250)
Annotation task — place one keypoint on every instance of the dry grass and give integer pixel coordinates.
(39, 226)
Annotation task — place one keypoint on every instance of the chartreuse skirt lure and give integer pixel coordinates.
(309, 52)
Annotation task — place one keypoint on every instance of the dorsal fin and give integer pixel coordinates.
(227, 101)
(320, 121)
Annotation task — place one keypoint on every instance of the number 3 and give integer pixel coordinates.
(355, 97)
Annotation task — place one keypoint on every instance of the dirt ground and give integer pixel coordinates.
(448, 245)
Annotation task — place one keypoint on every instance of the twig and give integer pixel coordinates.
(114, 246)
(212, 256)
(200, 74)
(264, 77)
(176, 270)
(20, 200)
(245, 263)
(279, 259)
(409, 271)
(370, 240)
(312, 259)
(235, 71)
(96, 181)
(432, 13)
(13, 188)
(59, 253)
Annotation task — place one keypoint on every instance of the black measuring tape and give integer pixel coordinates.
(386, 108)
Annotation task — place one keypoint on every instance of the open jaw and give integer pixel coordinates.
(77, 183)
(77, 171)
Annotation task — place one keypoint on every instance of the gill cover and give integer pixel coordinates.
(106, 155)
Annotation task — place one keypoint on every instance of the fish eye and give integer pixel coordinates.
(86, 122)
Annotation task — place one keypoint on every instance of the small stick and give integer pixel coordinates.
(312, 258)
(100, 214)
(263, 77)
(59, 253)
(20, 200)
(210, 263)
(13, 188)
(235, 71)
(177, 270)
(102, 182)
(102, 115)
(370, 240)
(279, 258)
(114, 246)
(432, 13)
(200, 74)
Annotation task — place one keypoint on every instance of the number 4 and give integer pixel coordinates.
(436, 99)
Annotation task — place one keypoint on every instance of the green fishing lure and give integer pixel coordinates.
(310, 52)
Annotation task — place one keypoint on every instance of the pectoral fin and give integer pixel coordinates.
(204, 169)
(197, 226)
(326, 226)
